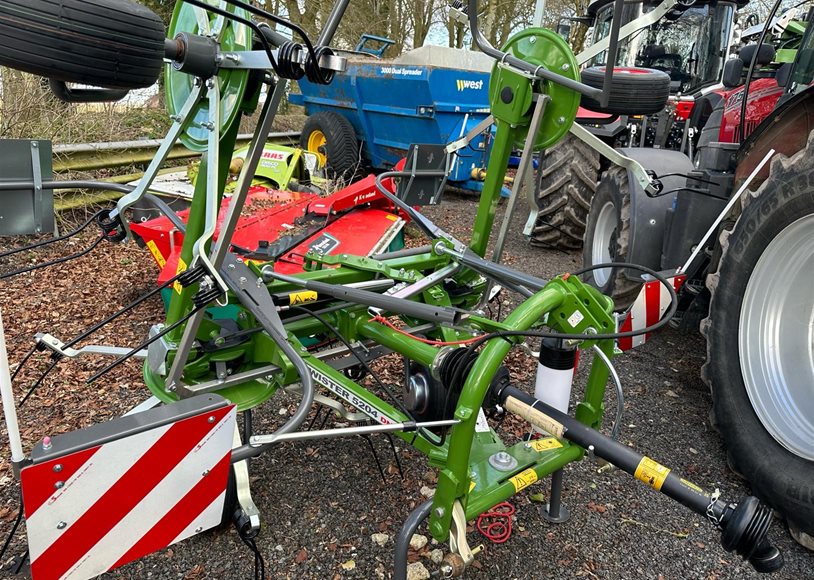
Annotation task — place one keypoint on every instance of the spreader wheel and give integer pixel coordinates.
(105, 43)
(332, 138)
(633, 91)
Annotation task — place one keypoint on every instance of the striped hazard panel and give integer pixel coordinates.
(96, 508)
(650, 305)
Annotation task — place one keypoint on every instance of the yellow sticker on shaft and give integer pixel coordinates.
(302, 297)
(652, 473)
(156, 254)
(523, 479)
(182, 266)
(545, 444)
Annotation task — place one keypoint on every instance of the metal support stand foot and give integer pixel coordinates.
(554, 511)
(248, 522)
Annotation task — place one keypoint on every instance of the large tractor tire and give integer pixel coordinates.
(759, 331)
(333, 139)
(566, 182)
(607, 238)
(107, 43)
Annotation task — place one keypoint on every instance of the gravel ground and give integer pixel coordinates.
(322, 501)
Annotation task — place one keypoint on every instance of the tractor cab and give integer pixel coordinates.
(690, 43)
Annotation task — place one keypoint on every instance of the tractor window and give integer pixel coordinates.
(691, 50)
(803, 74)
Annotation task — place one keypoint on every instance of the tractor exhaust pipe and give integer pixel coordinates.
(744, 525)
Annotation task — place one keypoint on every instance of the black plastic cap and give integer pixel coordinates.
(555, 355)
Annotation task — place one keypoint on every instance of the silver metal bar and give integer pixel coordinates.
(243, 485)
(36, 171)
(9, 406)
(627, 30)
(259, 60)
(68, 149)
(212, 189)
(620, 395)
(229, 224)
(419, 286)
(522, 169)
(258, 440)
(150, 403)
(180, 123)
(55, 345)
(725, 211)
(636, 168)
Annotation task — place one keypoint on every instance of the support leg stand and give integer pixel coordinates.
(554, 511)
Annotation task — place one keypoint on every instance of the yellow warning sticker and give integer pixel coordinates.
(523, 479)
(691, 485)
(302, 297)
(392, 217)
(156, 254)
(652, 473)
(182, 266)
(545, 444)
(472, 485)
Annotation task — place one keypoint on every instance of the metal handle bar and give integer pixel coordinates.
(520, 64)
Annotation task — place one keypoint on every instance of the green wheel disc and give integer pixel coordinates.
(544, 47)
(232, 36)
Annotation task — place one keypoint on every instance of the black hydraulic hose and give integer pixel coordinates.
(144, 344)
(409, 527)
(744, 101)
(33, 246)
(156, 201)
(22, 363)
(73, 256)
(538, 71)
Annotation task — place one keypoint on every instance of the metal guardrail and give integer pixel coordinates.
(94, 156)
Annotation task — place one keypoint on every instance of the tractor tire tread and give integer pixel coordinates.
(566, 182)
(781, 479)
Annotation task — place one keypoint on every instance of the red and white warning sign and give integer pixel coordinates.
(93, 507)
(650, 305)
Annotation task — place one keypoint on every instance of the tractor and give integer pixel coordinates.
(689, 41)
(734, 228)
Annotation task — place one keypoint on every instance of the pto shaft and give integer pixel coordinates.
(744, 525)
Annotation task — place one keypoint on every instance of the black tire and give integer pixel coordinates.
(634, 91)
(779, 477)
(612, 191)
(341, 147)
(566, 182)
(106, 43)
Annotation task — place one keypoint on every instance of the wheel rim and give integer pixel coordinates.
(776, 338)
(232, 37)
(316, 145)
(600, 246)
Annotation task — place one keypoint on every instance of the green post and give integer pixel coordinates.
(179, 303)
(452, 481)
(498, 158)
